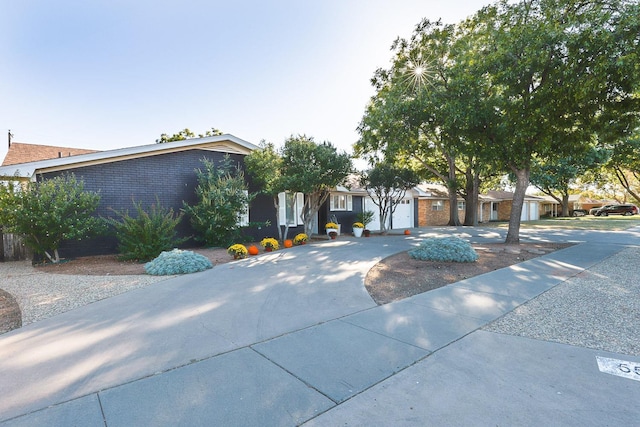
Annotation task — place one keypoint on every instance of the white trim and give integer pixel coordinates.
(214, 143)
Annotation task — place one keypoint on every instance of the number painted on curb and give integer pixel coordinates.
(620, 368)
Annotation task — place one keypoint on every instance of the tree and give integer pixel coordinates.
(556, 177)
(389, 184)
(427, 109)
(186, 134)
(557, 73)
(625, 164)
(312, 169)
(223, 200)
(48, 212)
(264, 166)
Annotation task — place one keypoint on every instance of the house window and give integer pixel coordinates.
(341, 202)
(243, 218)
(290, 206)
(437, 205)
(461, 205)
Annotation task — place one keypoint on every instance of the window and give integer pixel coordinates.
(290, 205)
(341, 202)
(437, 205)
(461, 205)
(243, 219)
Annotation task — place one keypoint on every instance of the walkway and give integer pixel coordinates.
(293, 337)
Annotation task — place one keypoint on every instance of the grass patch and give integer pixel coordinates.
(610, 223)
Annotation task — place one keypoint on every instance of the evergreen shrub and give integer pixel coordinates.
(177, 261)
(146, 235)
(449, 249)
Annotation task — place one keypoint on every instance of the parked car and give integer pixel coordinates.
(579, 212)
(617, 209)
(593, 211)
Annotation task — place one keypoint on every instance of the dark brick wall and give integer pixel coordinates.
(169, 177)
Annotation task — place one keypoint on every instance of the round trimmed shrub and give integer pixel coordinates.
(177, 262)
(449, 249)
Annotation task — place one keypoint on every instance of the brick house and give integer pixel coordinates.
(142, 174)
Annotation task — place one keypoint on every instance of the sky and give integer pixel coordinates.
(106, 74)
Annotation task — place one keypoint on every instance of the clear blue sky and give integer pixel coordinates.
(108, 74)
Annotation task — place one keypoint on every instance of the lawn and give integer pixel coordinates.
(589, 222)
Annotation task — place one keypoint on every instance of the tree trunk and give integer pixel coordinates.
(276, 204)
(565, 205)
(522, 182)
(471, 201)
(452, 188)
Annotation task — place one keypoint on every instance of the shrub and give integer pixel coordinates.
(177, 262)
(49, 212)
(148, 234)
(452, 249)
(223, 201)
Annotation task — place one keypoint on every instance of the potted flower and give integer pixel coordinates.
(269, 244)
(358, 227)
(300, 239)
(238, 251)
(331, 227)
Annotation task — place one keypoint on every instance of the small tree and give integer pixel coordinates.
(389, 184)
(312, 169)
(146, 235)
(223, 200)
(264, 166)
(51, 211)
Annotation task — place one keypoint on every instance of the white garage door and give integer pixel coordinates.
(403, 216)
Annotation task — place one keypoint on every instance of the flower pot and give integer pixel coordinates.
(333, 235)
(268, 249)
(358, 232)
(367, 233)
(332, 230)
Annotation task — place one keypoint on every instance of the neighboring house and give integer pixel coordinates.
(502, 202)
(142, 174)
(24, 153)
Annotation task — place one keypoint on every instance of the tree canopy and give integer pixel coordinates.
(186, 134)
(515, 84)
(313, 169)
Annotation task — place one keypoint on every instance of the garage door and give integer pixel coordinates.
(403, 216)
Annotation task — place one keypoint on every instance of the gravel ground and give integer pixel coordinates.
(62, 292)
(598, 309)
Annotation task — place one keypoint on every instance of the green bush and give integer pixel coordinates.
(450, 249)
(50, 211)
(177, 262)
(223, 200)
(145, 236)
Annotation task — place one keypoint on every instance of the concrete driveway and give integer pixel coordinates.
(293, 336)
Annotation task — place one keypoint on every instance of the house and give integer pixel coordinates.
(164, 172)
(24, 153)
(502, 201)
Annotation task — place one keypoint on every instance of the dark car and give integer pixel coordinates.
(617, 210)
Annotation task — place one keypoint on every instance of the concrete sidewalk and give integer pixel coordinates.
(293, 337)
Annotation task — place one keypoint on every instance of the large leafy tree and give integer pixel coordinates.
(389, 184)
(264, 165)
(49, 212)
(558, 72)
(557, 177)
(624, 164)
(313, 169)
(186, 134)
(429, 111)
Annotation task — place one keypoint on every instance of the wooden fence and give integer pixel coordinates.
(13, 248)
